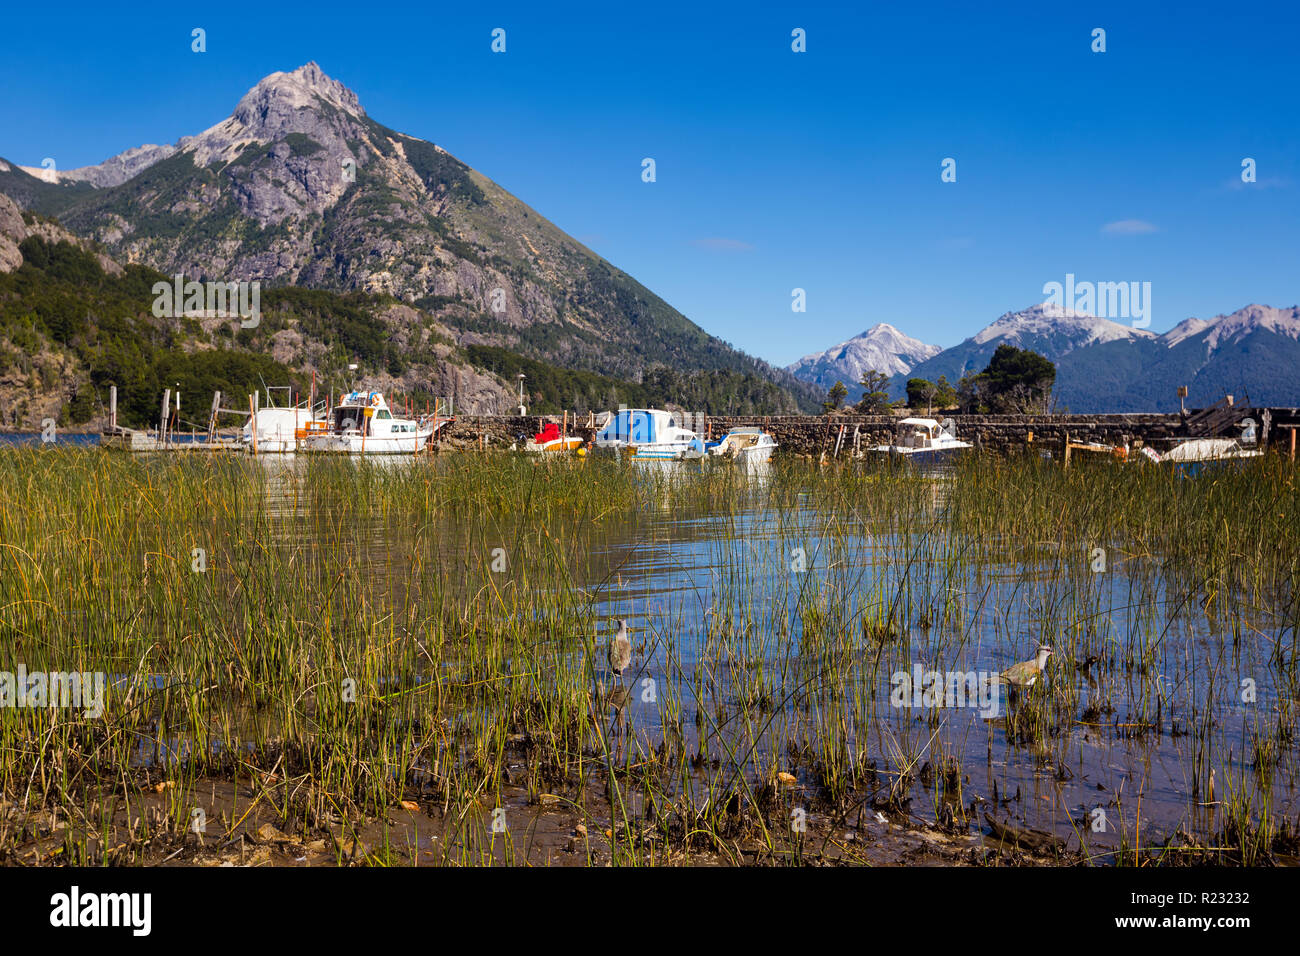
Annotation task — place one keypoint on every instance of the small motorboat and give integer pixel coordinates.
(648, 433)
(924, 440)
(744, 445)
(549, 440)
(1192, 457)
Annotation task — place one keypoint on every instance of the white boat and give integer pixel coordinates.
(1192, 457)
(923, 440)
(648, 433)
(1210, 449)
(280, 430)
(363, 424)
(747, 446)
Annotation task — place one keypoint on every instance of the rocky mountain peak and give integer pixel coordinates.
(1047, 318)
(279, 93)
(1224, 329)
(281, 103)
(881, 348)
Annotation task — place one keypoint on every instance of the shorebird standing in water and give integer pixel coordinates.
(1025, 674)
(620, 650)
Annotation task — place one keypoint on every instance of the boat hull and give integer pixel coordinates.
(555, 446)
(408, 444)
(758, 455)
(1197, 467)
(673, 452)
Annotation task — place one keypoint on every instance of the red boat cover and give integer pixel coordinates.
(549, 433)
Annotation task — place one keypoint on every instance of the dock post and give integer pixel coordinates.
(252, 419)
(212, 417)
(112, 409)
(162, 422)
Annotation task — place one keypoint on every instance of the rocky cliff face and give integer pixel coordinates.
(17, 225)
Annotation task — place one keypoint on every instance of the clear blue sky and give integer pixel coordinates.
(776, 169)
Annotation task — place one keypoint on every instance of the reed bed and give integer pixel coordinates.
(314, 643)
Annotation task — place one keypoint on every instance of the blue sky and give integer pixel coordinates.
(775, 170)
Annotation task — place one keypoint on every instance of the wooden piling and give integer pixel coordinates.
(252, 420)
(212, 416)
(162, 421)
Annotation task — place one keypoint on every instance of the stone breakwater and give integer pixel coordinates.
(811, 435)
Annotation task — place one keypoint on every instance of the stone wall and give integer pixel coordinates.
(810, 435)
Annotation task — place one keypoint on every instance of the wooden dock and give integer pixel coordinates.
(135, 440)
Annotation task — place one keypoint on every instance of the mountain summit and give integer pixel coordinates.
(300, 186)
(304, 102)
(881, 348)
(1046, 328)
(1055, 327)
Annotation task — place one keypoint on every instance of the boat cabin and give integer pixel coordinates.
(642, 426)
(739, 439)
(918, 433)
(369, 414)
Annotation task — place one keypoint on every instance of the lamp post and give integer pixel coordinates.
(523, 410)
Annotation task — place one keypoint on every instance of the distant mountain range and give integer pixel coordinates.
(1106, 366)
(300, 187)
(881, 348)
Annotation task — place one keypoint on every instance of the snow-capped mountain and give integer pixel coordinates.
(1252, 354)
(1106, 366)
(1227, 329)
(881, 348)
(1048, 329)
(1059, 328)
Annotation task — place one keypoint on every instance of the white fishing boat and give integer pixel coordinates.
(648, 433)
(363, 424)
(924, 440)
(747, 446)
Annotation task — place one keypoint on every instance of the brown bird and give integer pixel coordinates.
(620, 650)
(1025, 674)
